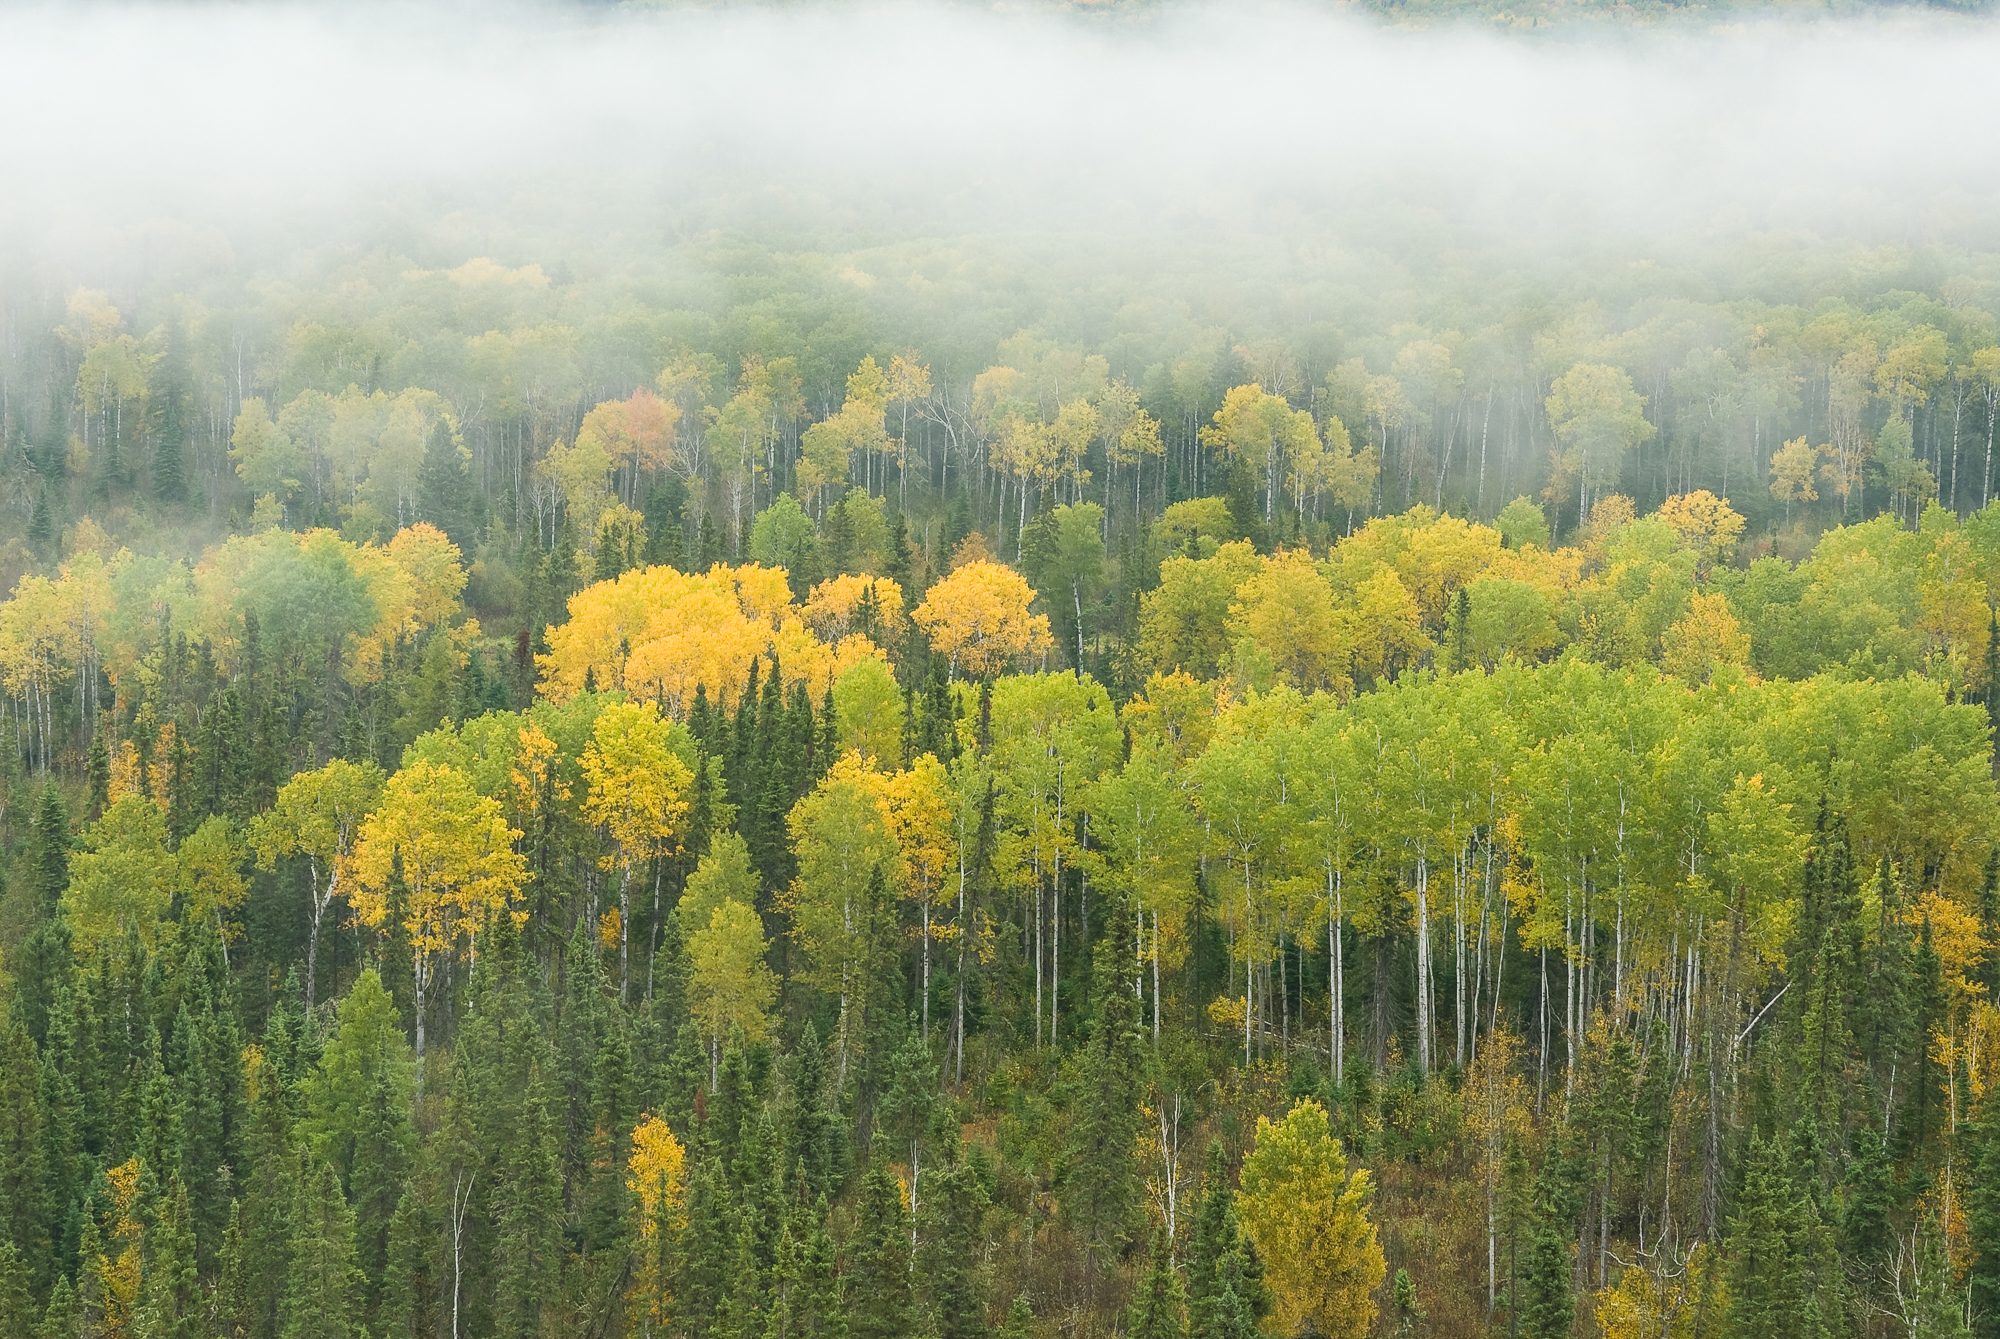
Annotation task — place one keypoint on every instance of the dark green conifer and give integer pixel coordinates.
(49, 850)
(1226, 1296)
(97, 777)
(17, 1303)
(444, 485)
(62, 1318)
(956, 1289)
(1101, 1196)
(1158, 1311)
(321, 1281)
(878, 1300)
(171, 1304)
(1982, 1219)
(170, 445)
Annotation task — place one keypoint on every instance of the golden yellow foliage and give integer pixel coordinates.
(832, 606)
(657, 1175)
(658, 633)
(1708, 636)
(978, 618)
(1287, 610)
(1307, 1214)
(118, 1265)
(1705, 523)
(455, 856)
(1654, 1302)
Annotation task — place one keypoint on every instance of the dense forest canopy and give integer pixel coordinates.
(854, 673)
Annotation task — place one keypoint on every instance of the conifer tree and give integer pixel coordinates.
(1868, 1198)
(878, 1303)
(1156, 1312)
(950, 1230)
(1226, 1297)
(321, 1281)
(444, 485)
(701, 1268)
(1546, 1305)
(1458, 633)
(50, 846)
(170, 442)
(97, 776)
(42, 525)
(1924, 1091)
(1103, 1192)
(17, 1304)
(527, 1212)
(61, 1319)
(815, 1143)
(25, 1216)
(170, 1300)
(1982, 1219)
(231, 1304)
(269, 1193)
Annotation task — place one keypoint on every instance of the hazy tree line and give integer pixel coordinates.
(536, 813)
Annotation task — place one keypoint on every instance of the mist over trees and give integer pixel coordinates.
(729, 741)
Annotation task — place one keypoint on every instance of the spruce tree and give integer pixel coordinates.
(170, 1297)
(1982, 1219)
(24, 1192)
(382, 1158)
(444, 485)
(61, 1319)
(17, 1304)
(42, 526)
(1868, 1197)
(1923, 1095)
(527, 1210)
(1458, 633)
(269, 1193)
(708, 1242)
(1783, 1278)
(97, 777)
(231, 1304)
(322, 1281)
(957, 1291)
(170, 443)
(49, 850)
(1101, 1196)
(1226, 1296)
(1157, 1310)
(878, 1300)
(1545, 1303)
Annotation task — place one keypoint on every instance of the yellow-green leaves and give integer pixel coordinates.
(730, 987)
(1307, 1214)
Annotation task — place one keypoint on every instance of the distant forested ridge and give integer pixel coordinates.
(892, 793)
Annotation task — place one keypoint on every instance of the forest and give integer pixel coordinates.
(777, 758)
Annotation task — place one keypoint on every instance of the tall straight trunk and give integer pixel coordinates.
(1156, 978)
(1424, 1002)
(1336, 982)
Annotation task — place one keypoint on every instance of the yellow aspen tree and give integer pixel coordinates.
(656, 1174)
(1792, 468)
(847, 858)
(978, 619)
(1307, 1214)
(730, 987)
(317, 815)
(455, 853)
(1708, 636)
(208, 873)
(922, 818)
(638, 789)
